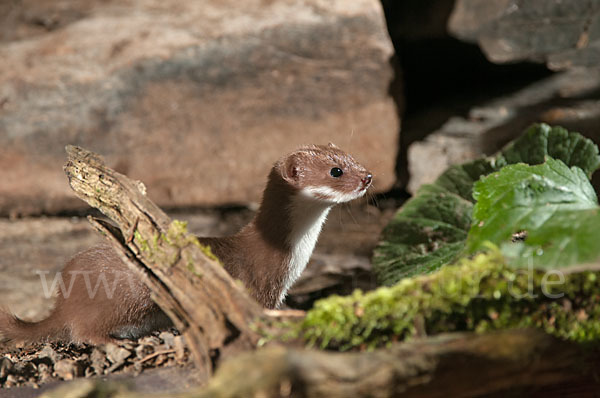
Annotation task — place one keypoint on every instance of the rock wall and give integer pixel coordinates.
(561, 33)
(562, 99)
(195, 99)
(557, 35)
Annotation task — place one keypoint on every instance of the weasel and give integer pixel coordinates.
(267, 255)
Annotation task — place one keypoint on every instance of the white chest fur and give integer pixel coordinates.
(307, 218)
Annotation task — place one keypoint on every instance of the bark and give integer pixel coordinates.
(517, 362)
(453, 365)
(204, 302)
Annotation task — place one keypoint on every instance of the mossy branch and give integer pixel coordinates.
(479, 294)
(186, 280)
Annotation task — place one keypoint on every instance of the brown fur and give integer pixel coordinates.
(256, 253)
(258, 256)
(98, 319)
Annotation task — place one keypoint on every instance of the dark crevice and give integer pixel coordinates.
(215, 355)
(233, 334)
(438, 76)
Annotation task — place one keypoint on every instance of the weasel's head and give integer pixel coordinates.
(325, 173)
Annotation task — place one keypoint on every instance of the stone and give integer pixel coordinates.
(116, 354)
(150, 340)
(561, 33)
(142, 350)
(67, 369)
(99, 361)
(567, 99)
(168, 338)
(11, 381)
(25, 19)
(6, 366)
(44, 373)
(179, 344)
(24, 369)
(49, 352)
(194, 99)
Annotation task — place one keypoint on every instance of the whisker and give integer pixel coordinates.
(371, 200)
(372, 197)
(349, 210)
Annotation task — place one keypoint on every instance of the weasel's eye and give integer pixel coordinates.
(336, 172)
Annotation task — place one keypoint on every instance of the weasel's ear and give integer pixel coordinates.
(332, 145)
(291, 169)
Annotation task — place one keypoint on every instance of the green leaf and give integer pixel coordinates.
(430, 230)
(540, 141)
(459, 179)
(553, 205)
(428, 233)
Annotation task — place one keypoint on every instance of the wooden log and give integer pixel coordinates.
(453, 365)
(204, 302)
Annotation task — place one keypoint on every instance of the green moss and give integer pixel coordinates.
(141, 242)
(177, 237)
(177, 234)
(207, 251)
(155, 240)
(192, 268)
(478, 294)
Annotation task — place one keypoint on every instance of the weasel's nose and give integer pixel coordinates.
(367, 180)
